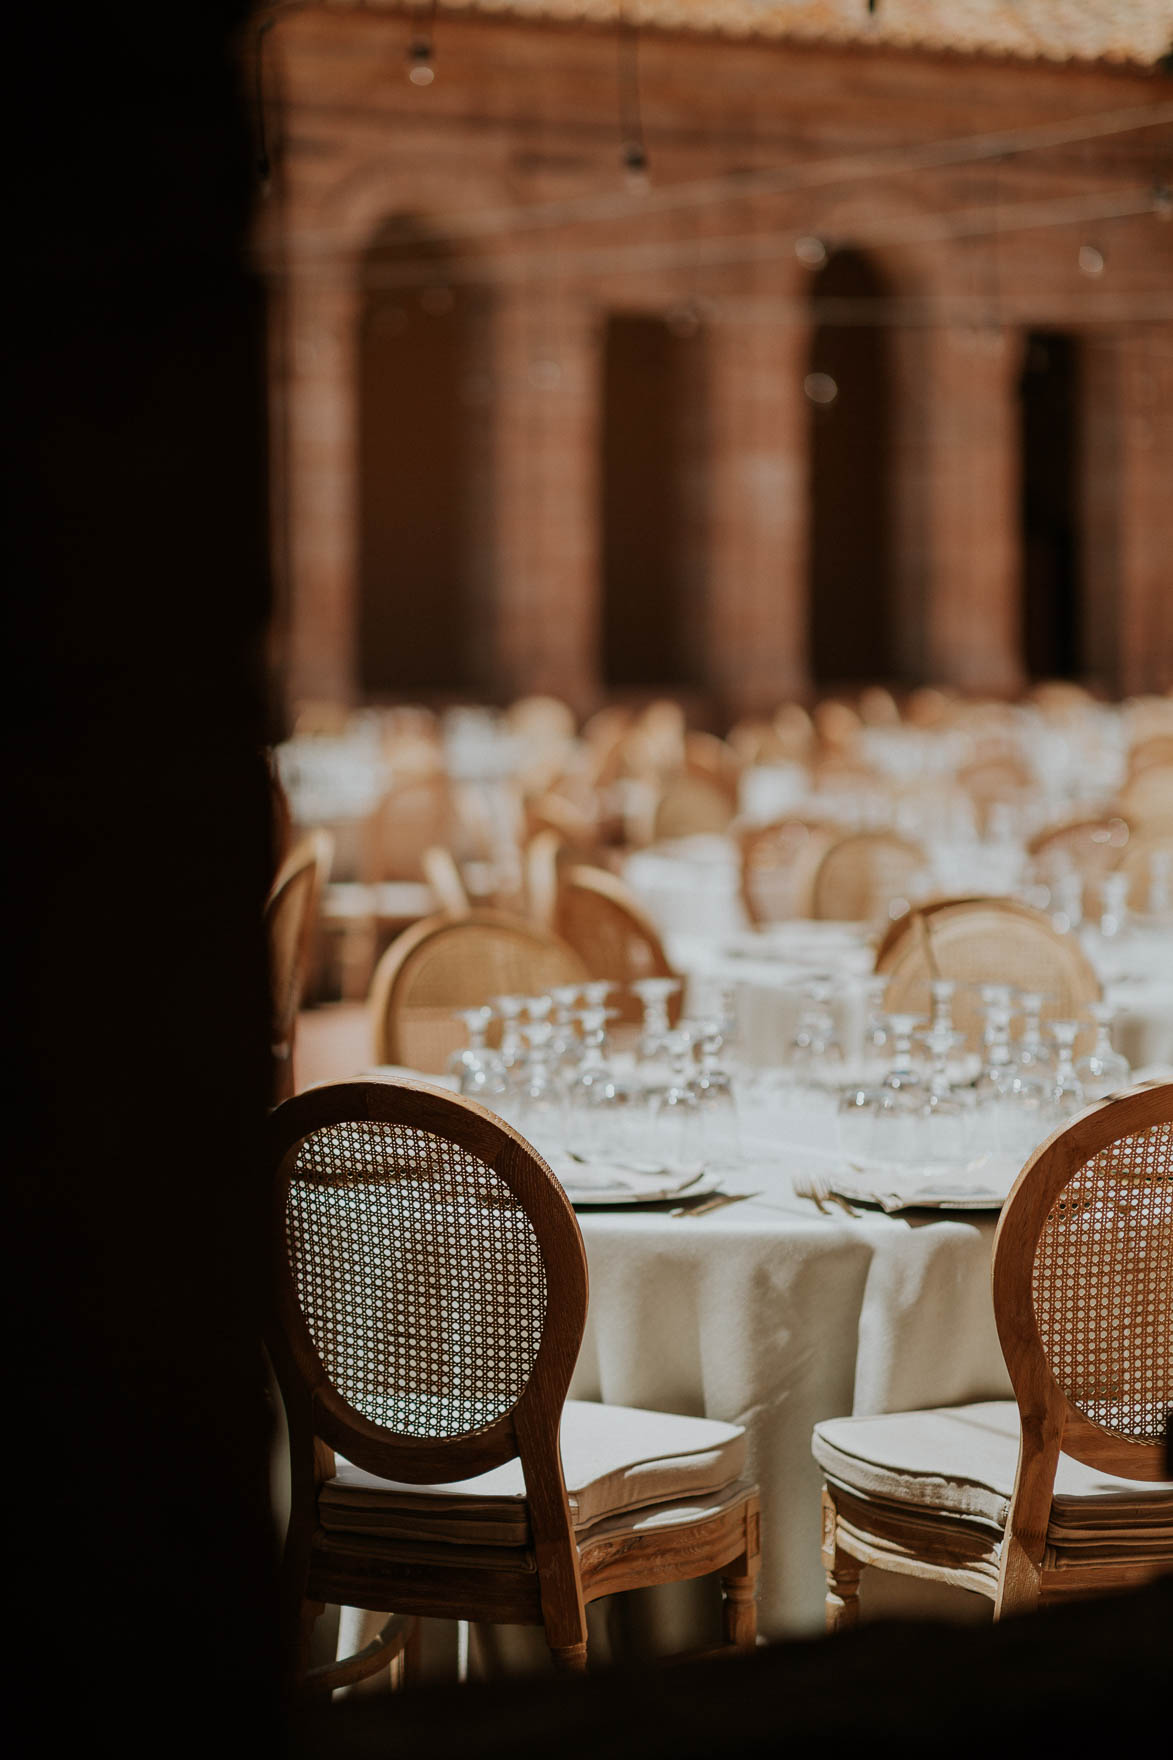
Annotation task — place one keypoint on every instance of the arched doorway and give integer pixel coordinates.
(418, 450)
(652, 469)
(848, 386)
(1049, 407)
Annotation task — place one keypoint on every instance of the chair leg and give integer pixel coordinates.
(843, 1572)
(569, 1658)
(739, 1609)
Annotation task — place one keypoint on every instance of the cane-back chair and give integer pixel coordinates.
(413, 815)
(445, 963)
(600, 917)
(445, 879)
(1001, 779)
(860, 875)
(1059, 1492)
(987, 941)
(430, 1290)
(1089, 846)
(291, 914)
(1156, 749)
(1146, 799)
(691, 805)
(778, 866)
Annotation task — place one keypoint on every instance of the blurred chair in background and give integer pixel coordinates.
(446, 963)
(778, 866)
(861, 875)
(601, 919)
(291, 913)
(986, 941)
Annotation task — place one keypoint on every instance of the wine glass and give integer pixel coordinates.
(1067, 1095)
(479, 1070)
(947, 1116)
(1104, 1069)
(712, 1084)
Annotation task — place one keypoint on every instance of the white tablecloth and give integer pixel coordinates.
(772, 1315)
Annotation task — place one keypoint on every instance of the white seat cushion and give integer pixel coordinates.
(961, 1460)
(615, 1459)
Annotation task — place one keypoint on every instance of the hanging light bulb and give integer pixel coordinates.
(420, 72)
(419, 52)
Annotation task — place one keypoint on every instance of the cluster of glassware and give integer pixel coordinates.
(927, 1108)
(666, 1104)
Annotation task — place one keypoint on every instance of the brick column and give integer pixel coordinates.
(1143, 591)
(973, 604)
(322, 505)
(543, 627)
(756, 616)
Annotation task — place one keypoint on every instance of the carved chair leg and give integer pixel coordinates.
(739, 1610)
(843, 1573)
(569, 1658)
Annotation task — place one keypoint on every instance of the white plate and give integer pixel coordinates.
(591, 1187)
(966, 1190)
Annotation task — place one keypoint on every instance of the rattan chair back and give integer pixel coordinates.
(987, 941)
(778, 865)
(1089, 846)
(1156, 749)
(600, 917)
(430, 1293)
(1146, 799)
(291, 913)
(414, 815)
(446, 881)
(859, 876)
(690, 806)
(446, 963)
(1083, 1299)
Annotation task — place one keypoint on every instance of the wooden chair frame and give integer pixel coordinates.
(321, 1568)
(1019, 1575)
(861, 843)
(394, 970)
(806, 862)
(616, 897)
(297, 888)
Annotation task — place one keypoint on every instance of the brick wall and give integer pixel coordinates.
(523, 116)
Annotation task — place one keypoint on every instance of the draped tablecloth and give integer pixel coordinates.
(770, 1314)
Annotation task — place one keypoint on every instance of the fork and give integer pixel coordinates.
(819, 1191)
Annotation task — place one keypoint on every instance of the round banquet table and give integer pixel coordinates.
(771, 1314)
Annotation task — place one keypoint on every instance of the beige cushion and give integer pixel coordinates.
(615, 1459)
(961, 1460)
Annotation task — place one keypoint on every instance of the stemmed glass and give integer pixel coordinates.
(595, 1094)
(948, 1118)
(997, 1058)
(875, 1031)
(540, 1103)
(564, 1042)
(902, 1094)
(1104, 1069)
(478, 1069)
(510, 1010)
(676, 1110)
(712, 1084)
(815, 1044)
(1067, 1096)
(654, 995)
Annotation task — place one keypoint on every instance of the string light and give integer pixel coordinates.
(633, 149)
(419, 51)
